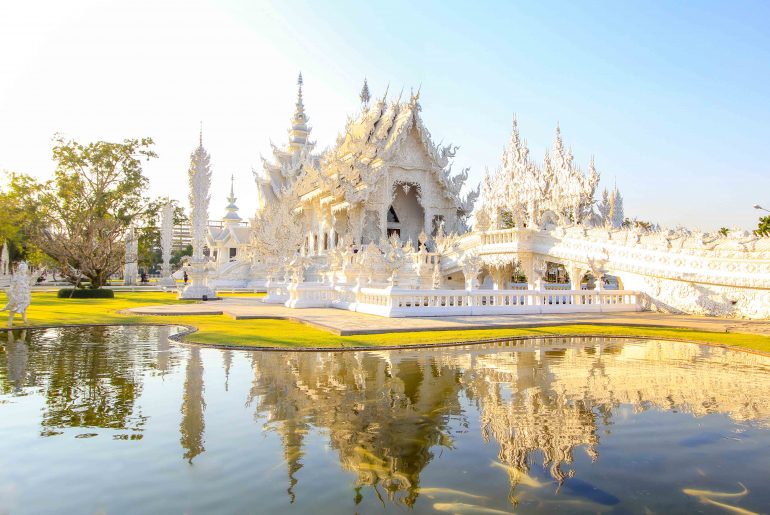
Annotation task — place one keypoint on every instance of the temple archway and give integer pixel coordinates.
(406, 216)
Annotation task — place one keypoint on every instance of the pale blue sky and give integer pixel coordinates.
(671, 98)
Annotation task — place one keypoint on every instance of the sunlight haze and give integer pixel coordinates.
(672, 100)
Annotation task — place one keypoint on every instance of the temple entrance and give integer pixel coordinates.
(406, 217)
(394, 224)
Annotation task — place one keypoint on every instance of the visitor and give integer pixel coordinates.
(185, 276)
(144, 277)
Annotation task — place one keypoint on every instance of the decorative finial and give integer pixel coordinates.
(232, 209)
(298, 134)
(364, 96)
(299, 112)
(200, 135)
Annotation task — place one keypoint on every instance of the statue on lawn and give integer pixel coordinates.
(19, 294)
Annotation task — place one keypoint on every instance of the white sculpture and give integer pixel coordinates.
(615, 216)
(19, 294)
(199, 175)
(472, 266)
(131, 267)
(166, 234)
(523, 194)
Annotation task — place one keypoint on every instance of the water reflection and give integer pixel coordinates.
(388, 415)
(384, 419)
(85, 383)
(193, 425)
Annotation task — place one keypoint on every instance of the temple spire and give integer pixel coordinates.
(299, 112)
(200, 135)
(298, 135)
(364, 95)
(232, 216)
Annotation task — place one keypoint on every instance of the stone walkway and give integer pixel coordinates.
(343, 322)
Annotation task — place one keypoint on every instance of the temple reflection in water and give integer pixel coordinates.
(388, 414)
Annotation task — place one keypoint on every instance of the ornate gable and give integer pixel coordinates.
(412, 154)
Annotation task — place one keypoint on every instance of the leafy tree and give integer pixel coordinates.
(177, 255)
(763, 228)
(96, 194)
(20, 217)
(724, 231)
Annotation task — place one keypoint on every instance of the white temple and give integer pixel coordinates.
(379, 223)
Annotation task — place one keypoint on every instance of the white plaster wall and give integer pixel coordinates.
(671, 296)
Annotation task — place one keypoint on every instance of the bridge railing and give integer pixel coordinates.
(499, 236)
(406, 303)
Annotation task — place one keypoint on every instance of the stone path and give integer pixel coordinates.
(343, 322)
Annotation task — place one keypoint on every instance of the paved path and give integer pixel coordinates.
(345, 322)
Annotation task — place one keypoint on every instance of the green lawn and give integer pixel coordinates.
(46, 310)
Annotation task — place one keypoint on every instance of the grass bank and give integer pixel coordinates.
(47, 310)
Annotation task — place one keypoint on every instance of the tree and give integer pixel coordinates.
(20, 211)
(177, 255)
(763, 228)
(95, 196)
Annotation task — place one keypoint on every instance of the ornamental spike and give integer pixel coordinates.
(364, 95)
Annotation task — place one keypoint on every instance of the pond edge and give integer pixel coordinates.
(187, 330)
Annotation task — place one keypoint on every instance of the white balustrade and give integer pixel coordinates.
(406, 303)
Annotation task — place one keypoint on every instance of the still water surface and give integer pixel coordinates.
(119, 420)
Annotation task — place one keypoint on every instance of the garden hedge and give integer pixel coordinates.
(81, 293)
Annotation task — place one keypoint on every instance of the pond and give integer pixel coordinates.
(120, 420)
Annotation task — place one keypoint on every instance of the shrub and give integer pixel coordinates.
(80, 293)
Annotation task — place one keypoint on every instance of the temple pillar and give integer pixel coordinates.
(428, 222)
(332, 231)
(501, 276)
(384, 222)
(528, 267)
(576, 274)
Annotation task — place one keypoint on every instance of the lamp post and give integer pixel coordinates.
(757, 206)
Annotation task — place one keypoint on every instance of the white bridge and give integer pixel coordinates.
(684, 273)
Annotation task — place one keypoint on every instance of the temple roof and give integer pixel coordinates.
(369, 141)
(237, 234)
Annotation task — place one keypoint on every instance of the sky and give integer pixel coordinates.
(671, 98)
